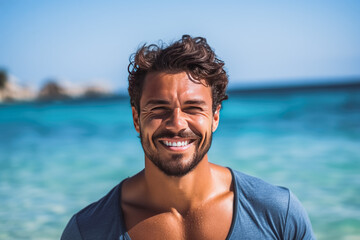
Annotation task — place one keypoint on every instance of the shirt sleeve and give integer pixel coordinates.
(71, 231)
(298, 225)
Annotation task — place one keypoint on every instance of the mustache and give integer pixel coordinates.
(186, 133)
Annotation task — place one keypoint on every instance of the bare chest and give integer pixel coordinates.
(204, 223)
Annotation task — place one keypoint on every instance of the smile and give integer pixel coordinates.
(176, 144)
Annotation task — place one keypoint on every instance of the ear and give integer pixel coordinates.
(216, 118)
(136, 119)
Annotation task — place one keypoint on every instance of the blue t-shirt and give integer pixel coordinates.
(261, 211)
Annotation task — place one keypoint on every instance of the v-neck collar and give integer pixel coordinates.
(124, 232)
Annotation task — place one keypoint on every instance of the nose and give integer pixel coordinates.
(176, 121)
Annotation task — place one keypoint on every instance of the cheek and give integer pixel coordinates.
(202, 125)
(203, 122)
(149, 126)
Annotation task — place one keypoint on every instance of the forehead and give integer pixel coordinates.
(173, 86)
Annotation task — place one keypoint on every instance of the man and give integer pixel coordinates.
(176, 94)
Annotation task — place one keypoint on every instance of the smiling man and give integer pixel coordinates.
(176, 93)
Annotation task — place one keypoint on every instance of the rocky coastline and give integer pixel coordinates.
(52, 90)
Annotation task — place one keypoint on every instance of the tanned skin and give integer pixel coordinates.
(197, 204)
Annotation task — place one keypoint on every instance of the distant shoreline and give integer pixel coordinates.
(235, 90)
(295, 87)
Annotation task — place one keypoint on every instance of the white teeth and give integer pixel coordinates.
(176, 144)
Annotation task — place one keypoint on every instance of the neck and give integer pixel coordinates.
(179, 193)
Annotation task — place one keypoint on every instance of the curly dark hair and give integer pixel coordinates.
(191, 55)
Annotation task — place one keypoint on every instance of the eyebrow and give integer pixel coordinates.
(195, 102)
(157, 102)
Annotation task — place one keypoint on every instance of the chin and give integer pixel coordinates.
(177, 166)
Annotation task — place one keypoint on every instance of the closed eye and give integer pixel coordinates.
(160, 109)
(193, 109)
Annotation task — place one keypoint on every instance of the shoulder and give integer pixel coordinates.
(97, 219)
(297, 221)
(274, 209)
(71, 231)
(260, 193)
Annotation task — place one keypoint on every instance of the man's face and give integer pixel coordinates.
(175, 122)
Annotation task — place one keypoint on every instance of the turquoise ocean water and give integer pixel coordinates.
(57, 158)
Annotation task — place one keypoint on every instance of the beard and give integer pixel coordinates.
(176, 165)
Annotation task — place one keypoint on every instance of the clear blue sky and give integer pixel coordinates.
(260, 41)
